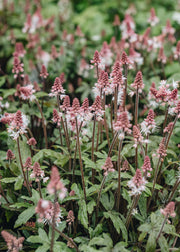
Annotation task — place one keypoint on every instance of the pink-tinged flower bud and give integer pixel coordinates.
(57, 88)
(147, 166)
(162, 150)
(37, 172)
(137, 135)
(108, 166)
(150, 118)
(55, 184)
(137, 183)
(124, 59)
(17, 67)
(125, 166)
(177, 52)
(32, 141)
(169, 210)
(28, 163)
(116, 21)
(18, 119)
(153, 20)
(96, 59)
(26, 93)
(44, 72)
(66, 103)
(122, 123)
(72, 193)
(54, 53)
(56, 117)
(97, 104)
(85, 105)
(173, 94)
(12, 242)
(168, 128)
(161, 56)
(177, 109)
(19, 50)
(116, 68)
(138, 82)
(10, 155)
(70, 217)
(46, 210)
(76, 106)
(62, 78)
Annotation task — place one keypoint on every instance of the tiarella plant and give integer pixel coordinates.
(89, 129)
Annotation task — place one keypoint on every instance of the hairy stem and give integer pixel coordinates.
(43, 123)
(53, 223)
(125, 82)
(119, 174)
(22, 168)
(92, 150)
(99, 196)
(80, 160)
(161, 229)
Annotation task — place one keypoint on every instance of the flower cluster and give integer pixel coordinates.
(13, 244)
(46, 210)
(137, 184)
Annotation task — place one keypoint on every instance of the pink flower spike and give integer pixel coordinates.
(56, 117)
(76, 106)
(70, 217)
(153, 20)
(17, 67)
(32, 141)
(147, 166)
(10, 155)
(137, 183)
(96, 59)
(57, 88)
(28, 163)
(12, 242)
(116, 21)
(168, 128)
(46, 211)
(169, 210)
(108, 166)
(55, 184)
(162, 150)
(122, 123)
(138, 82)
(44, 74)
(37, 172)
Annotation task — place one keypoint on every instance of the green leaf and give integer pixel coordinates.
(21, 204)
(117, 222)
(88, 248)
(43, 235)
(19, 183)
(107, 200)
(163, 244)
(145, 227)
(33, 239)
(2, 80)
(24, 216)
(82, 213)
(61, 246)
(41, 94)
(7, 92)
(120, 247)
(8, 180)
(90, 206)
(43, 248)
(151, 243)
(142, 205)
